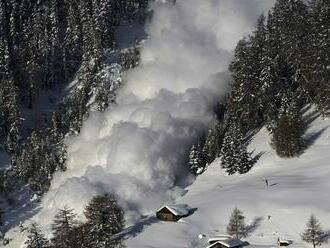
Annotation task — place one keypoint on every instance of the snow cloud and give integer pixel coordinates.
(137, 149)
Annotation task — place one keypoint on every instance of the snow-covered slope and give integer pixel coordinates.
(297, 188)
(139, 147)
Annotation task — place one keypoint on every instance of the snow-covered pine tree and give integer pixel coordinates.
(14, 134)
(290, 23)
(74, 36)
(246, 96)
(9, 103)
(282, 83)
(64, 222)
(269, 75)
(313, 233)
(103, 97)
(90, 74)
(79, 236)
(41, 155)
(197, 160)
(103, 19)
(289, 129)
(35, 238)
(258, 52)
(234, 154)
(105, 218)
(318, 60)
(286, 35)
(213, 143)
(236, 226)
(49, 77)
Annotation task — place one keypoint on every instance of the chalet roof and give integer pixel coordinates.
(219, 237)
(231, 242)
(177, 210)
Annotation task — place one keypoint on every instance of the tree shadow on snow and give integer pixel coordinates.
(310, 139)
(138, 228)
(257, 157)
(254, 225)
(326, 237)
(192, 211)
(248, 139)
(311, 117)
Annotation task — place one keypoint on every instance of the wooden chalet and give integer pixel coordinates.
(282, 243)
(173, 212)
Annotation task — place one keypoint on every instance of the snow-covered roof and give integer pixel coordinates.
(231, 242)
(177, 209)
(219, 237)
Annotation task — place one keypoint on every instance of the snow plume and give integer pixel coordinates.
(138, 148)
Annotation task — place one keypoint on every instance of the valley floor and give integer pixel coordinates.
(297, 188)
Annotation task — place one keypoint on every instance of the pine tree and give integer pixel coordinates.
(213, 144)
(73, 48)
(317, 71)
(246, 69)
(104, 23)
(105, 218)
(197, 160)
(9, 104)
(234, 154)
(290, 26)
(289, 129)
(314, 233)
(49, 42)
(79, 236)
(237, 225)
(65, 221)
(41, 155)
(35, 238)
(282, 67)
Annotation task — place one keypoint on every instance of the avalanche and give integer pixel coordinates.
(137, 149)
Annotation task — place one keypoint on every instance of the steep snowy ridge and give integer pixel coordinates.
(297, 188)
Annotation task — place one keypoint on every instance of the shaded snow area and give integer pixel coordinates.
(297, 188)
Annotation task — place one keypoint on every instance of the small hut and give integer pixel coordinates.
(282, 243)
(173, 212)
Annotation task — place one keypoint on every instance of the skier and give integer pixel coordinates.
(266, 181)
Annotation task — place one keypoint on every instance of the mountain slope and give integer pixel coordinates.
(297, 188)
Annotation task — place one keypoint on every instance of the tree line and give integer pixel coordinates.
(44, 45)
(104, 220)
(281, 67)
